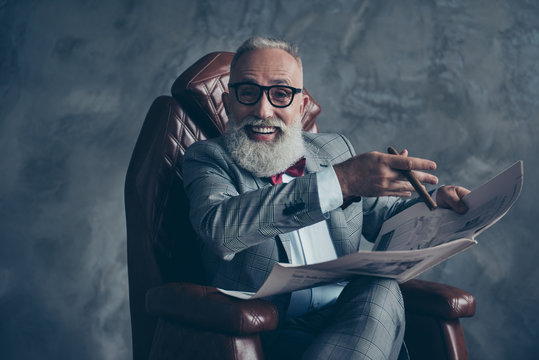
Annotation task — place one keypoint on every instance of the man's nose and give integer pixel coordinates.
(263, 108)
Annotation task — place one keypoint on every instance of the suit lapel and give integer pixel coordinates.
(317, 160)
(313, 161)
(261, 182)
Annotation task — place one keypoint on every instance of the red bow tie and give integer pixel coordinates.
(295, 170)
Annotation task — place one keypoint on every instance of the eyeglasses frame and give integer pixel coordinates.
(265, 89)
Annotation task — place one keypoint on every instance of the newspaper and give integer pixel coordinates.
(409, 243)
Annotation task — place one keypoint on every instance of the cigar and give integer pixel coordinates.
(423, 194)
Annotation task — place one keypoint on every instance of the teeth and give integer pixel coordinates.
(263, 129)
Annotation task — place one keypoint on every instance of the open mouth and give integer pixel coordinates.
(263, 130)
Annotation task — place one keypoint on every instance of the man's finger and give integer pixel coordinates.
(461, 192)
(397, 193)
(410, 163)
(453, 198)
(402, 186)
(425, 177)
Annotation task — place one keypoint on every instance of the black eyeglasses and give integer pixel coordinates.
(279, 96)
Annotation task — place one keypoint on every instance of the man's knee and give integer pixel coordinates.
(378, 284)
(381, 296)
(368, 321)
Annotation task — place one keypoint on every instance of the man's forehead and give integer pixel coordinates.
(271, 65)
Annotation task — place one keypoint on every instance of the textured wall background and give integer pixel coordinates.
(454, 81)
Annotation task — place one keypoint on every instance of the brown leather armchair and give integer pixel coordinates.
(172, 317)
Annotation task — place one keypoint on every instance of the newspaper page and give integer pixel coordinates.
(399, 265)
(414, 240)
(417, 227)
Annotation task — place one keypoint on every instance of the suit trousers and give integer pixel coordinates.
(366, 322)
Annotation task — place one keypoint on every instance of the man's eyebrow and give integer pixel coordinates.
(280, 82)
(248, 80)
(272, 82)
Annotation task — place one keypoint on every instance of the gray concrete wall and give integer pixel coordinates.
(454, 81)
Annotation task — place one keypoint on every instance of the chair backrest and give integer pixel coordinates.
(161, 244)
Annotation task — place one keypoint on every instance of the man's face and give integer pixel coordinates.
(266, 67)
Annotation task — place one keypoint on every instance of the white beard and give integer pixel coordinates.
(261, 158)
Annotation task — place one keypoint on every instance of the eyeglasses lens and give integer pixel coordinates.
(250, 93)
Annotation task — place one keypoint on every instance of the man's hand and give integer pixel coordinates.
(377, 174)
(450, 197)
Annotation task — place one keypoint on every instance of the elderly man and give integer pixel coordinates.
(266, 192)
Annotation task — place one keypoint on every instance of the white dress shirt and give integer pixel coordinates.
(313, 244)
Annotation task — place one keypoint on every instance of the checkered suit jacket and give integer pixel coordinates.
(243, 220)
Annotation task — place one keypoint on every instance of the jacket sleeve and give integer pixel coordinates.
(229, 220)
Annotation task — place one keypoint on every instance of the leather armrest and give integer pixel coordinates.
(438, 300)
(206, 307)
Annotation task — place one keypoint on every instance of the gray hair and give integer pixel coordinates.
(259, 42)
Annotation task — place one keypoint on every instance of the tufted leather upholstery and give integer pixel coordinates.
(433, 329)
(171, 316)
(204, 307)
(199, 90)
(439, 300)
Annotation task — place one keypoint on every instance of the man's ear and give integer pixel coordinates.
(225, 98)
(304, 103)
